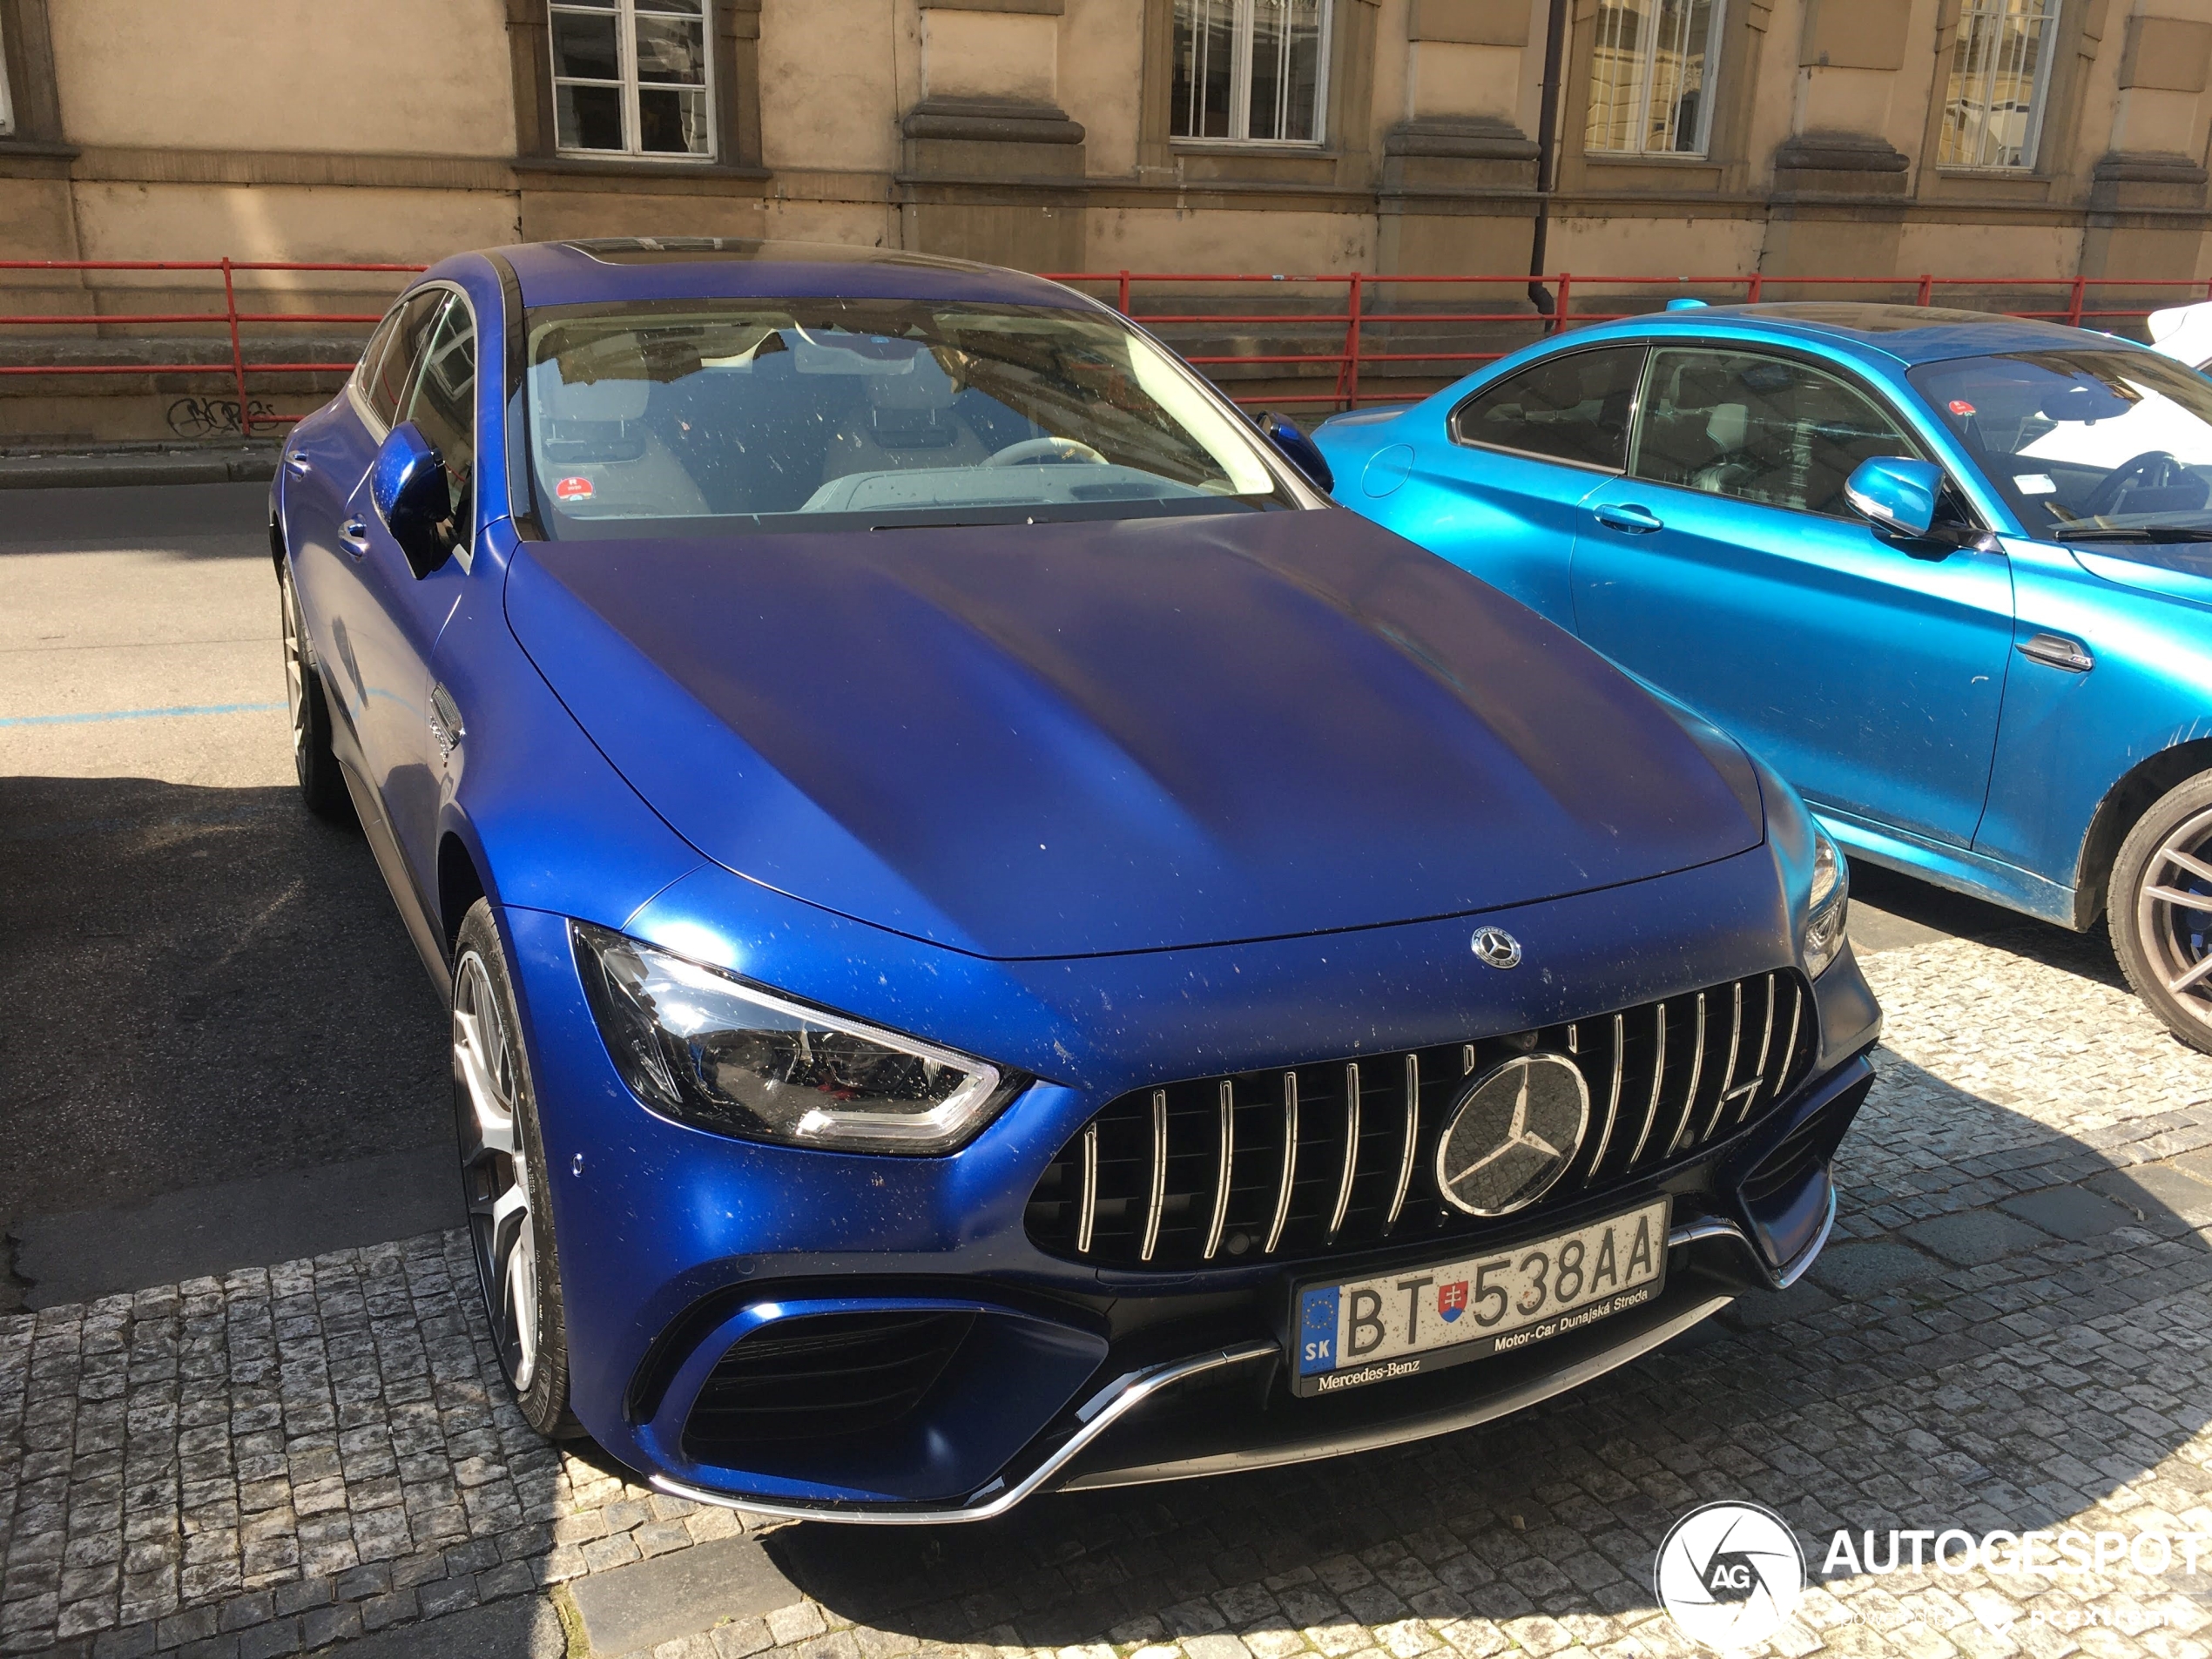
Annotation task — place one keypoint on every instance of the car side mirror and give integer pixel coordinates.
(1298, 449)
(408, 486)
(1896, 495)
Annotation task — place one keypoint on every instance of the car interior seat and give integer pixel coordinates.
(599, 431)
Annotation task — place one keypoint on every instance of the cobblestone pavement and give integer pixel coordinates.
(2009, 1330)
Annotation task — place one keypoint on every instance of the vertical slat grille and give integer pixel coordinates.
(1340, 1155)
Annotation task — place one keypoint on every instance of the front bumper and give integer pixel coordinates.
(677, 1246)
(1223, 1410)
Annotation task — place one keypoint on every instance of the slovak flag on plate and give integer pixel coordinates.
(1452, 1300)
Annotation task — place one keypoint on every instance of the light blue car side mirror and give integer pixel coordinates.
(1896, 495)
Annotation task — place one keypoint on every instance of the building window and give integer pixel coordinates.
(632, 78)
(1251, 71)
(7, 109)
(2000, 66)
(1651, 69)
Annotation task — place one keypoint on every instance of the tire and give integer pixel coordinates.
(503, 1180)
(322, 786)
(2164, 943)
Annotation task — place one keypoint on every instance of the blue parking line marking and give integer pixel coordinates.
(138, 714)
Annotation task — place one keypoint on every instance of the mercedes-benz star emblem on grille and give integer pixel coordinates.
(1512, 1134)
(1497, 946)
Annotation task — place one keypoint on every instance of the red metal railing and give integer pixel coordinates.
(238, 369)
(1363, 313)
(1374, 309)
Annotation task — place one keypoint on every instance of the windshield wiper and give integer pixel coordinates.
(2135, 533)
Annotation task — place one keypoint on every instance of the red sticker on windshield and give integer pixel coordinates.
(1960, 406)
(573, 490)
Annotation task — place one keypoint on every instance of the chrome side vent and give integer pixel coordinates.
(1337, 1155)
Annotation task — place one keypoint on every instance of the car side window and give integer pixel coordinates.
(373, 353)
(443, 405)
(1765, 429)
(394, 371)
(1573, 407)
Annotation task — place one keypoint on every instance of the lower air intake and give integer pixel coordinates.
(820, 1376)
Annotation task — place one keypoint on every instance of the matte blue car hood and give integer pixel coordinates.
(1063, 739)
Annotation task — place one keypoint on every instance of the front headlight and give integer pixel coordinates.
(1827, 903)
(711, 1051)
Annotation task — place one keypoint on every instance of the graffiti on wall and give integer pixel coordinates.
(214, 417)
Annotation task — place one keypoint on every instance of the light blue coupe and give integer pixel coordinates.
(1946, 571)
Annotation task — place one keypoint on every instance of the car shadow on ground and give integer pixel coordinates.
(201, 985)
(1912, 911)
(1991, 1341)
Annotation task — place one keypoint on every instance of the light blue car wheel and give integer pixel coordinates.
(2161, 909)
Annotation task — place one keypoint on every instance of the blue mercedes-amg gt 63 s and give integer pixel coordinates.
(1945, 570)
(998, 941)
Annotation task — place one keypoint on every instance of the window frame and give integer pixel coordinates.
(733, 46)
(1924, 449)
(464, 550)
(465, 547)
(1716, 41)
(2053, 35)
(379, 341)
(356, 387)
(1628, 436)
(6, 102)
(1240, 77)
(629, 87)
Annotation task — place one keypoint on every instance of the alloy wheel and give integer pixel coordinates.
(494, 1168)
(295, 678)
(2174, 914)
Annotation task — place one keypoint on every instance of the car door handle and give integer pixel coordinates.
(298, 464)
(2059, 651)
(355, 534)
(1637, 520)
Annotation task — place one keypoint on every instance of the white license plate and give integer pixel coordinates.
(1398, 1325)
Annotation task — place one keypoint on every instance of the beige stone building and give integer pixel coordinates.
(1980, 139)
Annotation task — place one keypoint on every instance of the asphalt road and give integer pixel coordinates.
(199, 983)
(217, 1047)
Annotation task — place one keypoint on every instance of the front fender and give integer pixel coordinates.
(2066, 741)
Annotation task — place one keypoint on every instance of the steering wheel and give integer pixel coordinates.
(1038, 452)
(2153, 469)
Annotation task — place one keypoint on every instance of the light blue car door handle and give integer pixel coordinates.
(1637, 520)
(355, 534)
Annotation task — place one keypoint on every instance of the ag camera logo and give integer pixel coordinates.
(1729, 1574)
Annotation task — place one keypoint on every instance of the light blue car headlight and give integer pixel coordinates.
(1827, 905)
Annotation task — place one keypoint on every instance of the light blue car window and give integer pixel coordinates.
(1574, 407)
(1766, 429)
(2084, 445)
(689, 418)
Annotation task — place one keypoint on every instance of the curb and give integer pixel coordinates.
(62, 472)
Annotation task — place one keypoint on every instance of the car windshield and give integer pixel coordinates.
(2086, 445)
(708, 417)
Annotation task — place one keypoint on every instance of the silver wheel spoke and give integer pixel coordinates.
(511, 1204)
(495, 1121)
(521, 1304)
(2175, 896)
(501, 1214)
(2203, 968)
(2196, 867)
